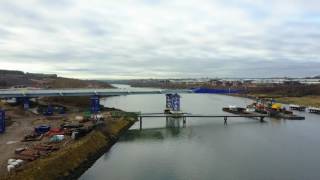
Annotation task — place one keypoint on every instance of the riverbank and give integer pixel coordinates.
(71, 161)
(313, 101)
(19, 79)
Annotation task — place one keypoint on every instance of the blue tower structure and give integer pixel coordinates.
(175, 102)
(172, 102)
(168, 101)
(95, 104)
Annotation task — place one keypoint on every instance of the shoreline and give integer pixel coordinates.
(76, 158)
(307, 101)
(298, 94)
(80, 170)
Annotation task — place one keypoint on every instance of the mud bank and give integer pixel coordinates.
(76, 158)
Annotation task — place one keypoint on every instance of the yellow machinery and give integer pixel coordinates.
(276, 106)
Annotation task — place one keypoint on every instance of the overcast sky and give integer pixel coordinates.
(158, 39)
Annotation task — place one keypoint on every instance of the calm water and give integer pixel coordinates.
(206, 149)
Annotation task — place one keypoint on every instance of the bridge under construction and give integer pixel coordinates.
(172, 109)
(14, 93)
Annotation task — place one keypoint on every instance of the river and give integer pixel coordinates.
(206, 149)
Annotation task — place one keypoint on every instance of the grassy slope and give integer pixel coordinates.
(76, 83)
(305, 100)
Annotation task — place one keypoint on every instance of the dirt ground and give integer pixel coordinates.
(23, 123)
(11, 139)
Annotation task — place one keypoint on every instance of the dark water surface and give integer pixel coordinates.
(206, 149)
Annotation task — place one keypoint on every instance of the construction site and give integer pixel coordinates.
(43, 132)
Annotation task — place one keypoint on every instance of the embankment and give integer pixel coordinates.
(71, 161)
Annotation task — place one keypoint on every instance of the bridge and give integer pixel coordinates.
(172, 98)
(24, 95)
(14, 93)
(183, 116)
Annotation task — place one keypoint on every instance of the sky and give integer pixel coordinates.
(126, 39)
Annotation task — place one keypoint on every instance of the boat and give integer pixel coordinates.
(284, 114)
(235, 110)
(278, 111)
(314, 110)
(297, 107)
(274, 110)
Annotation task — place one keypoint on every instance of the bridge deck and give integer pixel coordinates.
(10, 93)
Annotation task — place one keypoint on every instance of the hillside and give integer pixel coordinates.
(10, 79)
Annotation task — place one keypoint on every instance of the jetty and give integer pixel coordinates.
(184, 117)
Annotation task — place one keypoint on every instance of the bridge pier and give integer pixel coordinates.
(49, 110)
(26, 103)
(140, 123)
(261, 119)
(173, 122)
(94, 104)
(184, 121)
(225, 121)
(2, 121)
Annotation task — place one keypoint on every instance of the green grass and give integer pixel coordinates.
(305, 100)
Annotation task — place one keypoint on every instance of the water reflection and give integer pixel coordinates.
(172, 129)
(205, 148)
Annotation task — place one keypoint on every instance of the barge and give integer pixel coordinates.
(274, 111)
(235, 110)
(241, 110)
(285, 115)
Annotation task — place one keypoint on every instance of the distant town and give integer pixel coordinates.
(223, 82)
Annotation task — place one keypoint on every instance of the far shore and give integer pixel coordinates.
(308, 101)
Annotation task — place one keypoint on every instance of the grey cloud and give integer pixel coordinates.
(161, 39)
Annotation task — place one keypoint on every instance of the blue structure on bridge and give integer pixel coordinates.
(215, 91)
(2, 121)
(176, 102)
(168, 101)
(95, 104)
(173, 102)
